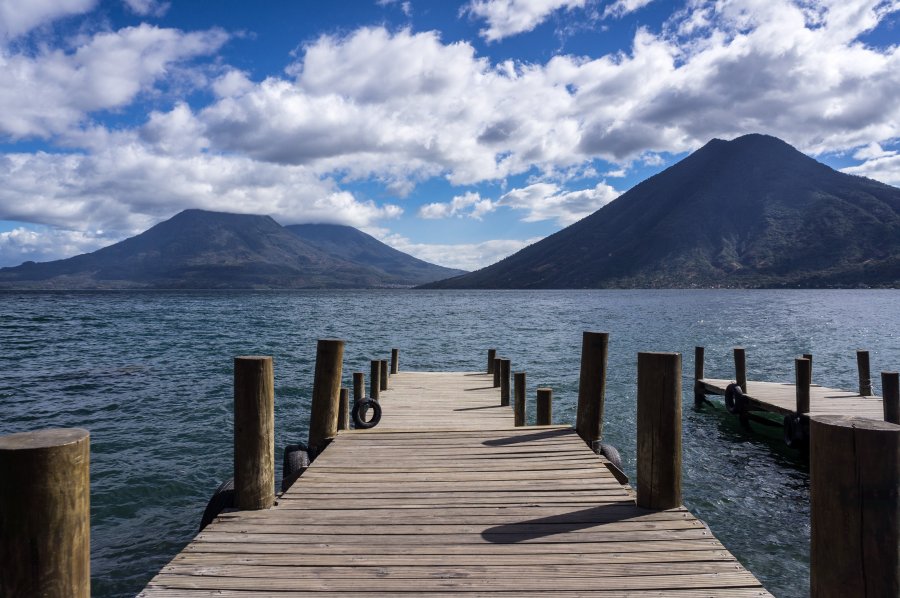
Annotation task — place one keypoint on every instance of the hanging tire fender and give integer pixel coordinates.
(222, 498)
(359, 409)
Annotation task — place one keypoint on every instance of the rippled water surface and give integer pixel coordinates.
(150, 374)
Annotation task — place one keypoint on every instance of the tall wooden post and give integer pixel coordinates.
(699, 391)
(504, 382)
(519, 404)
(497, 372)
(659, 430)
(592, 386)
(359, 386)
(395, 361)
(890, 389)
(865, 378)
(323, 417)
(344, 410)
(254, 432)
(801, 381)
(492, 355)
(740, 368)
(854, 473)
(45, 521)
(809, 357)
(384, 374)
(544, 408)
(375, 380)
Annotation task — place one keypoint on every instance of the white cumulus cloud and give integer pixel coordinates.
(510, 17)
(469, 204)
(465, 256)
(547, 201)
(43, 244)
(18, 17)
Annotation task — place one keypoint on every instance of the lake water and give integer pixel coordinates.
(150, 375)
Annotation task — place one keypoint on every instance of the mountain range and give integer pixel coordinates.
(751, 212)
(197, 249)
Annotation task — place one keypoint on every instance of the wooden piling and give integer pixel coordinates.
(865, 378)
(592, 386)
(801, 384)
(492, 355)
(740, 368)
(504, 382)
(344, 410)
(359, 386)
(544, 408)
(497, 372)
(323, 417)
(890, 390)
(809, 357)
(699, 392)
(855, 507)
(519, 402)
(375, 380)
(659, 430)
(384, 374)
(45, 526)
(395, 361)
(254, 432)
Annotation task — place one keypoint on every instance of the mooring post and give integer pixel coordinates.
(359, 386)
(519, 403)
(854, 473)
(344, 410)
(45, 522)
(504, 382)
(699, 394)
(808, 356)
(383, 379)
(375, 380)
(395, 361)
(865, 378)
(802, 377)
(492, 355)
(254, 432)
(496, 372)
(659, 430)
(890, 389)
(323, 417)
(592, 386)
(740, 368)
(544, 409)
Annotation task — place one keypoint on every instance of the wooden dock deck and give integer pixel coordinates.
(445, 497)
(781, 398)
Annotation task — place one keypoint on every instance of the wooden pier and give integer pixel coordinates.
(447, 497)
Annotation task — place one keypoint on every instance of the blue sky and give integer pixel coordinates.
(456, 131)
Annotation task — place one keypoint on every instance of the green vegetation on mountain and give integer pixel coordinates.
(197, 249)
(752, 212)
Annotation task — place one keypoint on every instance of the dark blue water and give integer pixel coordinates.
(150, 374)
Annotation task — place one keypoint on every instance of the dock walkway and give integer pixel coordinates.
(446, 497)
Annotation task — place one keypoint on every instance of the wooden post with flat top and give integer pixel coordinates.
(497, 372)
(809, 357)
(865, 378)
(519, 402)
(504, 382)
(802, 377)
(854, 474)
(45, 520)
(544, 408)
(492, 355)
(740, 368)
(384, 374)
(659, 430)
(323, 417)
(699, 393)
(592, 386)
(359, 386)
(344, 410)
(395, 361)
(375, 380)
(890, 390)
(254, 432)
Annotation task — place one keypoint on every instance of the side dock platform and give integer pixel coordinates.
(447, 497)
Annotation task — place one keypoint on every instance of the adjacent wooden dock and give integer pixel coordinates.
(447, 497)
